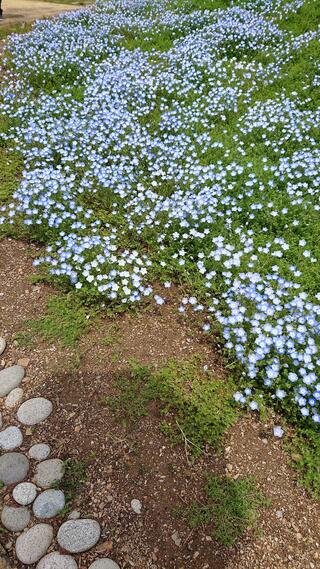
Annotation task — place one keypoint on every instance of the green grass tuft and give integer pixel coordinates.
(65, 322)
(304, 450)
(233, 506)
(196, 407)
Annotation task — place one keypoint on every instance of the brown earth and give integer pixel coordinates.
(140, 462)
(15, 11)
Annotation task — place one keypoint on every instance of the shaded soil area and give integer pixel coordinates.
(139, 462)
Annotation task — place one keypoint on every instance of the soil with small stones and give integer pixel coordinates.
(139, 462)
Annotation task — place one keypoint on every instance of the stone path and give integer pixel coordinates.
(37, 503)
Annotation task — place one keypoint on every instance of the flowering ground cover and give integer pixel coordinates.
(178, 141)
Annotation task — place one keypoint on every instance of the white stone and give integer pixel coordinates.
(55, 560)
(34, 411)
(24, 493)
(136, 506)
(48, 472)
(15, 519)
(14, 467)
(14, 398)
(3, 344)
(48, 504)
(76, 536)
(104, 563)
(34, 543)
(10, 378)
(10, 438)
(39, 452)
(74, 515)
(1, 421)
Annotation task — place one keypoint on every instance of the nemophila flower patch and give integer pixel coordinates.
(166, 141)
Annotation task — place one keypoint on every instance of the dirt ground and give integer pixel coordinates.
(15, 11)
(141, 463)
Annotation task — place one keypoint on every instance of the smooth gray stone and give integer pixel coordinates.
(76, 536)
(10, 438)
(14, 467)
(34, 411)
(33, 544)
(24, 493)
(39, 452)
(15, 519)
(49, 504)
(3, 344)
(55, 560)
(14, 398)
(10, 378)
(104, 563)
(48, 472)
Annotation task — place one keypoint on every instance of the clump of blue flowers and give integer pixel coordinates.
(192, 159)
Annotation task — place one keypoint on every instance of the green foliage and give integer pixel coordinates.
(73, 479)
(233, 506)
(65, 322)
(196, 407)
(132, 398)
(305, 458)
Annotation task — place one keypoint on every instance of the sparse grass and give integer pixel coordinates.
(233, 506)
(304, 450)
(197, 408)
(14, 28)
(65, 321)
(73, 479)
(24, 339)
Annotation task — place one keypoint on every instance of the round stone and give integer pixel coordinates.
(34, 543)
(24, 493)
(14, 398)
(76, 536)
(136, 506)
(48, 504)
(48, 472)
(3, 344)
(10, 378)
(10, 438)
(104, 563)
(34, 411)
(55, 560)
(15, 519)
(14, 467)
(39, 452)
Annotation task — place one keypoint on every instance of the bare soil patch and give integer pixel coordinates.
(140, 462)
(15, 11)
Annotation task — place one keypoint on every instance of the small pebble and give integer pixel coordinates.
(14, 467)
(34, 543)
(55, 560)
(48, 472)
(76, 536)
(3, 344)
(136, 506)
(39, 452)
(15, 519)
(74, 515)
(48, 504)
(104, 563)
(24, 493)
(24, 362)
(10, 378)
(10, 438)
(34, 411)
(14, 398)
